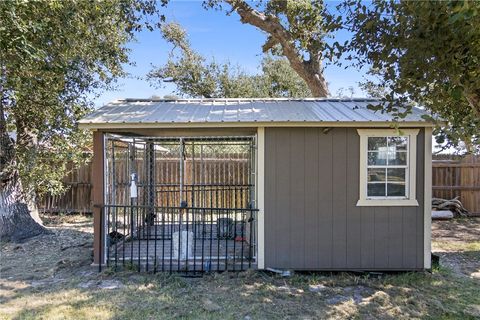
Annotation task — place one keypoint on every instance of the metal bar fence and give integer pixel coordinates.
(183, 236)
(180, 204)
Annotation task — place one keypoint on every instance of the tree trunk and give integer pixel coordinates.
(474, 102)
(17, 221)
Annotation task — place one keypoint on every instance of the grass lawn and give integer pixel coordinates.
(49, 277)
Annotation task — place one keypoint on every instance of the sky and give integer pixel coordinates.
(213, 34)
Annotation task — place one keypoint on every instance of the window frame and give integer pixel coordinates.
(410, 172)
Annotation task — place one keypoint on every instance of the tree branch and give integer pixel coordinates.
(271, 42)
(474, 102)
(308, 70)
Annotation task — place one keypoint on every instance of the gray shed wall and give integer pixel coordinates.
(311, 218)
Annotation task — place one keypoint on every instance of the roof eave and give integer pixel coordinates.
(239, 124)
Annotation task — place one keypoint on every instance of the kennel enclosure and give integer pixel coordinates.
(179, 203)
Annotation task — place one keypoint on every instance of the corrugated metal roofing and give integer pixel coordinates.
(192, 111)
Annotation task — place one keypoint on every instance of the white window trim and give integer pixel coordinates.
(410, 200)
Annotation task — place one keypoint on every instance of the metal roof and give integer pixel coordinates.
(193, 112)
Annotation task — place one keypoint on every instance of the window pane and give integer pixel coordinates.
(376, 189)
(376, 182)
(376, 142)
(399, 143)
(374, 160)
(395, 190)
(396, 182)
(376, 175)
(397, 158)
(396, 175)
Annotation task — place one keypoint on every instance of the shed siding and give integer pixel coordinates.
(311, 218)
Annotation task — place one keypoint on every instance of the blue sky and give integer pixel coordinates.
(213, 34)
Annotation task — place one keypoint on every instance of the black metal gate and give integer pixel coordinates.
(182, 204)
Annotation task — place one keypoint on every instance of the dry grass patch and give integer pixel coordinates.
(62, 285)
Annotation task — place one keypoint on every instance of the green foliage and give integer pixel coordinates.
(55, 56)
(195, 76)
(278, 79)
(302, 19)
(421, 52)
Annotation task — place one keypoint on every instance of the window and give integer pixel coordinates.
(387, 167)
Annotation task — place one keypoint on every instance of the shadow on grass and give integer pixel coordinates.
(441, 294)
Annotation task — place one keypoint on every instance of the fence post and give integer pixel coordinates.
(98, 193)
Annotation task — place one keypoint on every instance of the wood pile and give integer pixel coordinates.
(453, 205)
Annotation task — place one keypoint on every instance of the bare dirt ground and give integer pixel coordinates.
(457, 242)
(49, 277)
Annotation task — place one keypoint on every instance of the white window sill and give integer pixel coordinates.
(387, 203)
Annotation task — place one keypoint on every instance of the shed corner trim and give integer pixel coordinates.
(261, 197)
(427, 222)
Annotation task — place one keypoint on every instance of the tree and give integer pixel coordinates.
(296, 27)
(345, 93)
(421, 53)
(195, 76)
(55, 55)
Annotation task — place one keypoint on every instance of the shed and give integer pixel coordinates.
(228, 184)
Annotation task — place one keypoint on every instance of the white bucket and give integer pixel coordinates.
(185, 245)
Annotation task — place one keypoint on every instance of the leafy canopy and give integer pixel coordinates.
(195, 76)
(55, 56)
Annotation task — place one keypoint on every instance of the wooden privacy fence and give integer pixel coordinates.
(454, 176)
(451, 176)
(222, 182)
(76, 198)
(212, 172)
